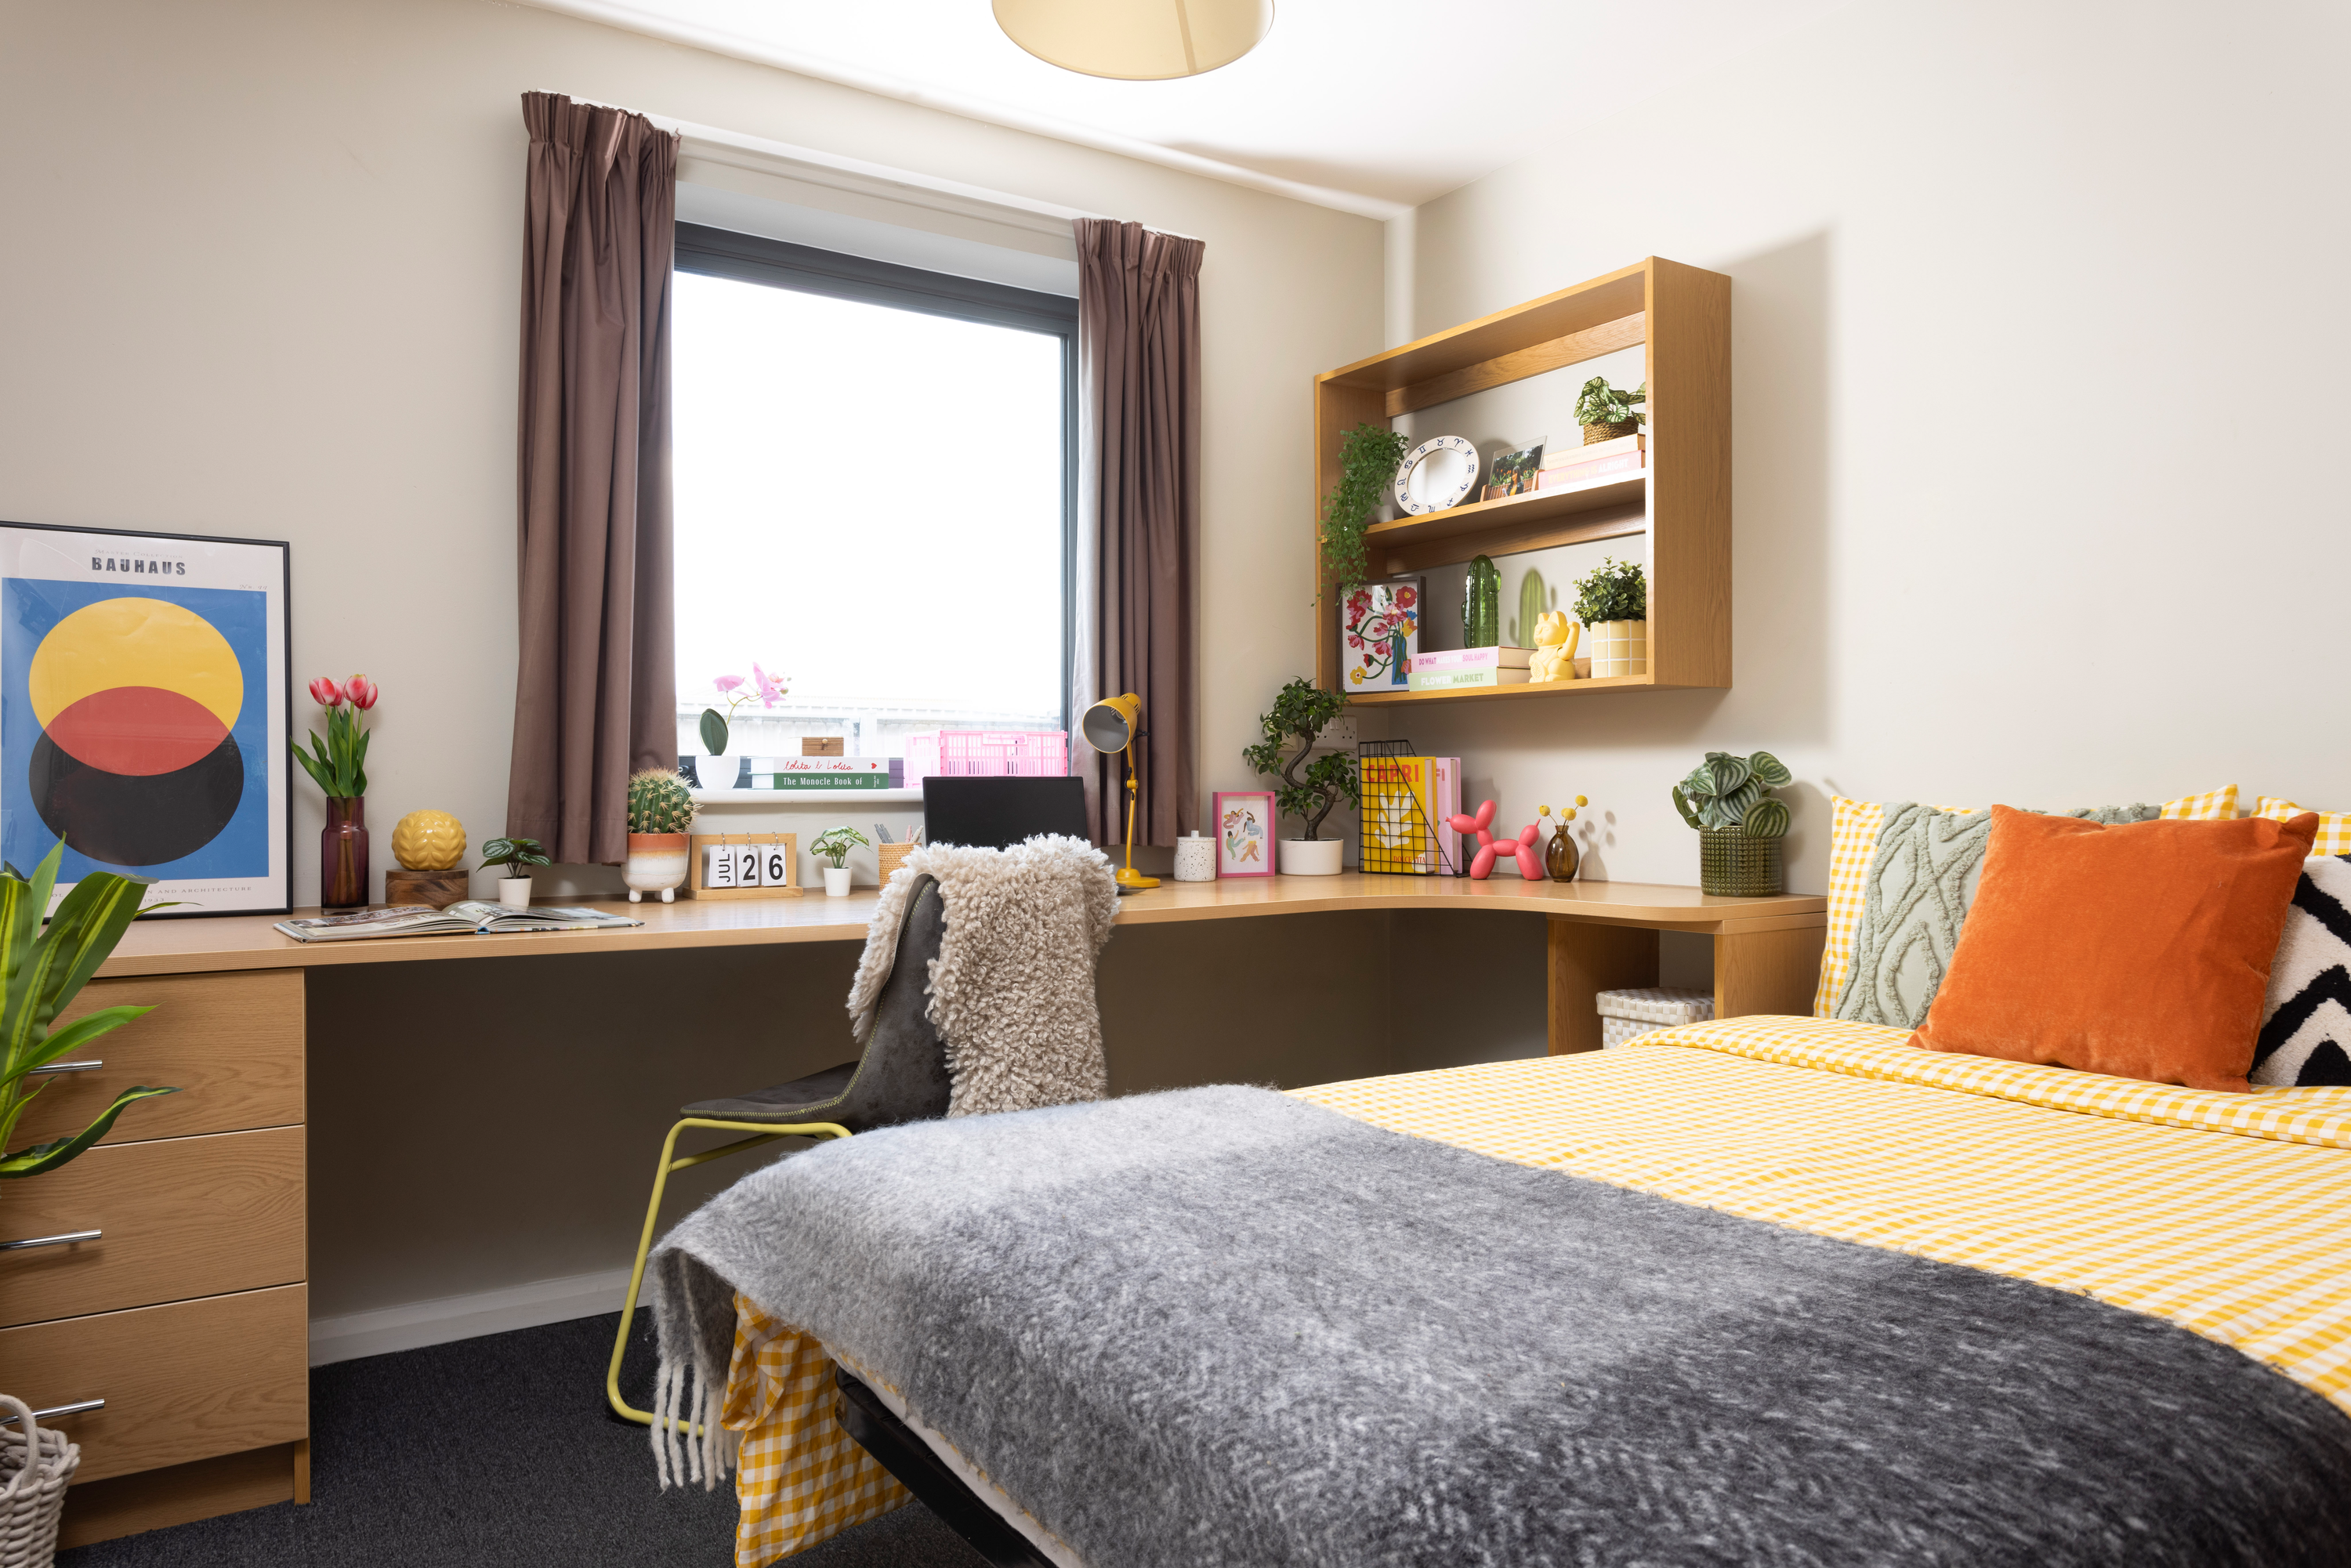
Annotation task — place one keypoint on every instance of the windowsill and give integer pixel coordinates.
(826, 800)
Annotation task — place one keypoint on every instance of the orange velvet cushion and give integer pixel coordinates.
(2141, 950)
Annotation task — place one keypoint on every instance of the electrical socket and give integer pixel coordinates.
(1339, 735)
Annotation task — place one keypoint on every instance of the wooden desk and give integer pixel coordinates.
(188, 1315)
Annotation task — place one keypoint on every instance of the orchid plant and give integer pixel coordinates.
(762, 687)
(340, 765)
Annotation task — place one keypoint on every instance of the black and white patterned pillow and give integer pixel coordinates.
(2306, 1037)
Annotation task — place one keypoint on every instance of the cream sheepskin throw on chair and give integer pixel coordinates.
(1012, 990)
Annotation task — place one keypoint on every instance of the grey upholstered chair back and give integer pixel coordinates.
(901, 1075)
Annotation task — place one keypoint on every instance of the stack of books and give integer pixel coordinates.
(1601, 460)
(807, 773)
(1458, 667)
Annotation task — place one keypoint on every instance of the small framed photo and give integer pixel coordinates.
(1245, 820)
(1514, 472)
(144, 691)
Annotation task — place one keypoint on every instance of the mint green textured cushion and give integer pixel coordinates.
(1921, 884)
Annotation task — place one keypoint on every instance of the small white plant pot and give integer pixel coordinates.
(514, 892)
(1620, 648)
(656, 863)
(1312, 857)
(836, 881)
(717, 773)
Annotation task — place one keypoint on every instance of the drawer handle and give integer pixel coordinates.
(79, 1407)
(70, 1067)
(50, 1240)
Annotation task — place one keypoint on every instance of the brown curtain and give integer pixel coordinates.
(1139, 515)
(596, 690)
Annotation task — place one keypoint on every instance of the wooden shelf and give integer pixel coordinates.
(1680, 316)
(1504, 693)
(1532, 521)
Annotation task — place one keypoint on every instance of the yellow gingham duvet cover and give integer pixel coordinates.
(2223, 1213)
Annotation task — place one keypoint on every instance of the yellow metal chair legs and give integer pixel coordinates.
(767, 1133)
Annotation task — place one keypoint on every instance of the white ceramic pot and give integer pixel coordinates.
(656, 863)
(1312, 857)
(1620, 648)
(836, 881)
(514, 892)
(1196, 859)
(716, 772)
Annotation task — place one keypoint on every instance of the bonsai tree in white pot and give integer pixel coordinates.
(517, 855)
(833, 844)
(1302, 711)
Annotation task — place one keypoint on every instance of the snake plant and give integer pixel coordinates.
(41, 972)
(1731, 794)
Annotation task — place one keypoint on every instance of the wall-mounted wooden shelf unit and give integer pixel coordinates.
(1681, 317)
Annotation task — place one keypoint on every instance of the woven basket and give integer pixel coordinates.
(1733, 865)
(891, 856)
(34, 1494)
(1593, 434)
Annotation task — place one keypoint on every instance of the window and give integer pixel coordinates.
(875, 480)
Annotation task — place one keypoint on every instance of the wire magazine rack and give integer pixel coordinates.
(1396, 837)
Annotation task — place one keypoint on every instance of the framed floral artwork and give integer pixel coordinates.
(1244, 820)
(1379, 631)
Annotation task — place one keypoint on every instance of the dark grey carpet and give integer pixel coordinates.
(496, 1451)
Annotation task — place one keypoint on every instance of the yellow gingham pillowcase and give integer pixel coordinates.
(2334, 827)
(1853, 843)
(2212, 806)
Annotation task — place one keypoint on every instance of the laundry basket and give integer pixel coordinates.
(33, 1493)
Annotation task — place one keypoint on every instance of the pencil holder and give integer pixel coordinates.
(891, 855)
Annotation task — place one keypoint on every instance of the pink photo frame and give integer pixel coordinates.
(1244, 825)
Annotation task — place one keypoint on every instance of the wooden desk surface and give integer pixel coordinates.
(247, 942)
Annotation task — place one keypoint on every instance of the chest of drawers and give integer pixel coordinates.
(175, 1339)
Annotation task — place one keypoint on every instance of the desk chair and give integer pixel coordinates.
(900, 1075)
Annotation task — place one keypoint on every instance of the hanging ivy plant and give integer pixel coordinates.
(1368, 456)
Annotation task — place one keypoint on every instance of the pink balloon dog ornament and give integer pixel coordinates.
(1530, 864)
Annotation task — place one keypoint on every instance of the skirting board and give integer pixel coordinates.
(448, 1318)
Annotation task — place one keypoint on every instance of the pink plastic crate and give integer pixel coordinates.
(987, 754)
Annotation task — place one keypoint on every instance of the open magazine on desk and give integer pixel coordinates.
(473, 917)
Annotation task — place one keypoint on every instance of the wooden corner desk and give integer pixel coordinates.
(187, 1315)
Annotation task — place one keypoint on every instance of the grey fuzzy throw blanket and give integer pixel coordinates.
(1223, 1327)
(1012, 990)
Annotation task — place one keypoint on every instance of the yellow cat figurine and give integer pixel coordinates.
(1554, 656)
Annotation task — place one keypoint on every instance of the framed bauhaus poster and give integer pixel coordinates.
(144, 711)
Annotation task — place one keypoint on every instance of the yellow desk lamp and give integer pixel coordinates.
(1114, 724)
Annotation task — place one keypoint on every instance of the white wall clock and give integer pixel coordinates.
(1437, 474)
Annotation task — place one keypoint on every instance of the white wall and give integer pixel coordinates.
(260, 277)
(2039, 337)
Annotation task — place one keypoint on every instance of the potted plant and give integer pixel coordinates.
(833, 844)
(721, 768)
(1368, 456)
(1300, 712)
(1613, 603)
(337, 763)
(1740, 822)
(517, 855)
(41, 972)
(1607, 413)
(660, 809)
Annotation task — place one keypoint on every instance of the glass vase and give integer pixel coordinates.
(1561, 857)
(344, 853)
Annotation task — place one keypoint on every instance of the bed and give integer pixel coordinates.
(1771, 1290)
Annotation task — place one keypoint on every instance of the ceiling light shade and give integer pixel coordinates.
(1136, 40)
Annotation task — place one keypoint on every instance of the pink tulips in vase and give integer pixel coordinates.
(337, 763)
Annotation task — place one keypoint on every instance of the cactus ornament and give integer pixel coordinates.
(659, 802)
(1481, 605)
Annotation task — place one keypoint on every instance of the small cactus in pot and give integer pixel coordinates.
(661, 809)
(1740, 822)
